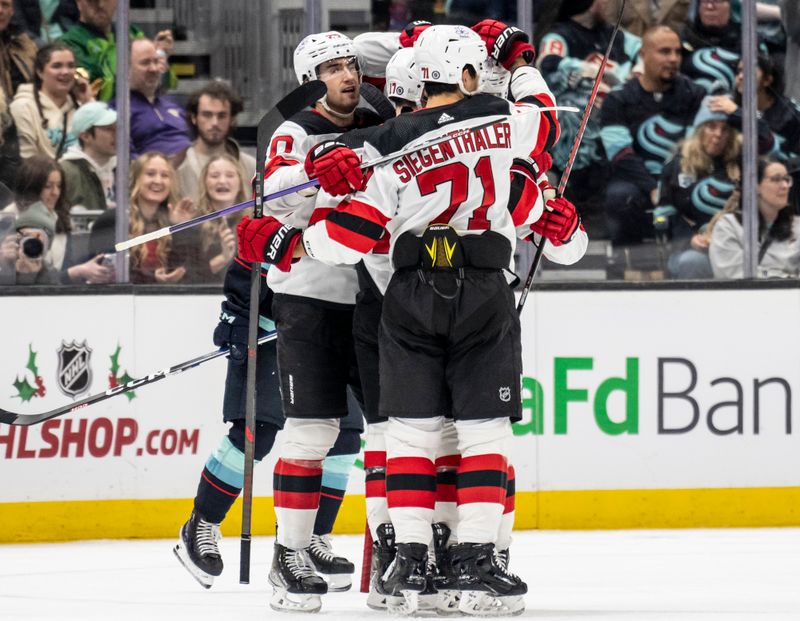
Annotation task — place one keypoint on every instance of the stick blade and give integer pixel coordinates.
(377, 101)
(8, 418)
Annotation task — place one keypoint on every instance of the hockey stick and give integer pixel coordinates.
(169, 230)
(15, 418)
(378, 101)
(562, 184)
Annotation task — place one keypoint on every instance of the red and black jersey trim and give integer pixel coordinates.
(523, 192)
(356, 225)
(549, 127)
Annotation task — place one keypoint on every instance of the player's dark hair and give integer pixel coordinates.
(440, 88)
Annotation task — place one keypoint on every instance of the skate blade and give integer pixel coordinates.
(283, 601)
(337, 583)
(411, 604)
(205, 579)
(447, 603)
(483, 604)
(375, 600)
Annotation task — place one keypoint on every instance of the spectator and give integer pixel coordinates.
(641, 15)
(23, 256)
(222, 185)
(694, 187)
(712, 45)
(778, 229)
(45, 21)
(9, 146)
(790, 14)
(212, 113)
(89, 165)
(158, 123)
(569, 61)
(641, 123)
(17, 52)
(41, 180)
(43, 110)
(780, 114)
(154, 204)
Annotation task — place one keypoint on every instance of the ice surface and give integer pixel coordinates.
(631, 575)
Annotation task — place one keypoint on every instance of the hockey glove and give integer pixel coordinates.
(337, 167)
(409, 34)
(503, 42)
(266, 239)
(559, 221)
(231, 334)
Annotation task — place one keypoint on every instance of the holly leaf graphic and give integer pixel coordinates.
(115, 360)
(32, 361)
(25, 390)
(124, 379)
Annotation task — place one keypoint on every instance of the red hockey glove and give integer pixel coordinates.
(559, 221)
(266, 239)
(409, 34)
(337, 167)
(503, 42)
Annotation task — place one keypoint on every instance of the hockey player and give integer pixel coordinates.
(222, 477)
(312, 308)
(449, 334)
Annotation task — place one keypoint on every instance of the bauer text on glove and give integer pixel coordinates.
(266, 239)
(503, 42)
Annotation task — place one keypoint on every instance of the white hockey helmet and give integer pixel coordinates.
(442, 52)
(402, 77)
(496, 79)
(315, 49)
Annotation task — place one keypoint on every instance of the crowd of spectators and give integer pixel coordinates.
(657, 176)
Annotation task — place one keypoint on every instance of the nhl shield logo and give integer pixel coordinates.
(74, 371)
(505, 394)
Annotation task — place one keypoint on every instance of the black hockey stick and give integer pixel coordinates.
(303, 96)
(562, 184)
(378, 101)
(14, 418)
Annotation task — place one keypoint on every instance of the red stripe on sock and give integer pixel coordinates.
(374, 459)
(411, 498)
(492, 494)
(491, 461)
(217, 487)
(410, 465)
(445, 493)
(376, 489)
(448, 461)
(296, 500)
(297, 470)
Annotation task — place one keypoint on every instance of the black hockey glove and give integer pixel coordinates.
(232, 334)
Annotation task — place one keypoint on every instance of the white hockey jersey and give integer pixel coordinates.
(285, 168)
(463, 181)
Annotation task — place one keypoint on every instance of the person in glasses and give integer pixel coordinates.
(778, 229)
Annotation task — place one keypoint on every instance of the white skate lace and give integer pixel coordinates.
(321, 547)
(299, 564)
(500, 563)
(206, 538)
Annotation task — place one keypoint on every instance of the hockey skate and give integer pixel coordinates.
(335, 570)
(442, 574)
(296, 586)
(488, 589)
(406, 579)
(197, 550)
(383, 551)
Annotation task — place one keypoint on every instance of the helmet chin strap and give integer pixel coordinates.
(328, 109)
